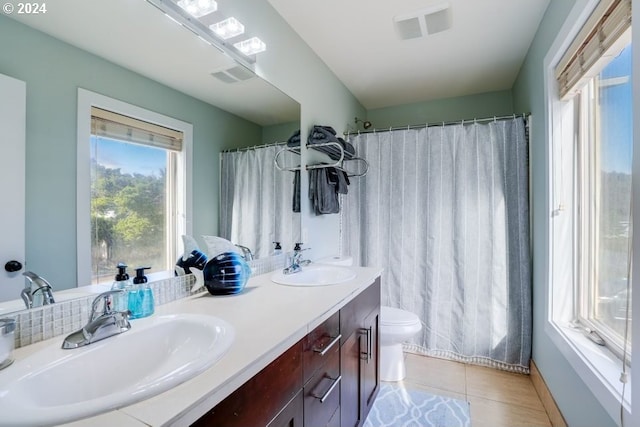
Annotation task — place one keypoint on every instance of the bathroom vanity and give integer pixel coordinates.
(301, 355)
(329, 378)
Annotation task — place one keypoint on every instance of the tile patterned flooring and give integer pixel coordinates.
(498, 398)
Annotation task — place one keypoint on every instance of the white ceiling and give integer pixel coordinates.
(481, 52)
(137, 36)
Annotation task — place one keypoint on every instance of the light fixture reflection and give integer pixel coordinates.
(251, 46)
(228, 28)
(198, 8)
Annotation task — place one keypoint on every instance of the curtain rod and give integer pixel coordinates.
(253, 147)
(425, 125)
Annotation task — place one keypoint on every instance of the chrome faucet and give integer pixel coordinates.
(42, 286)
(246, 253)
(103, 323)
(296, 262)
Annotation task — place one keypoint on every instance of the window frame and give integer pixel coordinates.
(88, 99)
(588, 150)
(596, 366)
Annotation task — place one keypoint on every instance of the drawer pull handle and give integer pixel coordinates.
(326, 395)
(324, 351)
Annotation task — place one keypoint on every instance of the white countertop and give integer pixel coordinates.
(268, 319)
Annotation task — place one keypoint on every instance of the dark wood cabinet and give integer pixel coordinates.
(322, 392)
(258, 401)
(370, 368)
(321, 372)
(292, 415)
(360, 367)
(330, 378)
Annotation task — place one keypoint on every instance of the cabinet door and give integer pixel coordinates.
(369, 363)
(12, 184)
(292, 415)
(350, 385)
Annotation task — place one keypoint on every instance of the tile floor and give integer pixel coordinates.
(498, 398)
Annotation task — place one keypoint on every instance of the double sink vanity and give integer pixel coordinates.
(305, 354)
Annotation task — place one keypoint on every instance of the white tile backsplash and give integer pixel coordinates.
(43, 323)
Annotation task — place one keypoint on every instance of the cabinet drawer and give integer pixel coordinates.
(318, 344)
(322, 392)
(262, 397)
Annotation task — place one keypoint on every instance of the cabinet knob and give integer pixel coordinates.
(13, 266)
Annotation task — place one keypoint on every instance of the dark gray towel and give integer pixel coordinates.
(296, 191)
(294, 140)
(323, 184)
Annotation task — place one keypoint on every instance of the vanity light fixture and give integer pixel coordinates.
(251, 46)
(198, 8)
(228, 28)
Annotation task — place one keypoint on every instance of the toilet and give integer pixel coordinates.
(396, 327)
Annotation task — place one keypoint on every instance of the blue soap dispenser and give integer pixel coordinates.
(141, 303)
(123, 283)
(278, 249)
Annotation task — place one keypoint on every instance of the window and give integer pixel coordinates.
(604, 149)
(594, 85)
(589, 102)
(133, 212)
(133, 189)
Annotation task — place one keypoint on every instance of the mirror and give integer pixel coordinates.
(80, 51)
(258, 210)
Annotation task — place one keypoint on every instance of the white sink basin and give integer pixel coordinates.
(54, 386)
(315, 275)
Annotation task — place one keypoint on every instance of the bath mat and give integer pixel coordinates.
(400, 406)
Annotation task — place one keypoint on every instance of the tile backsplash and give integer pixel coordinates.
(43, 323)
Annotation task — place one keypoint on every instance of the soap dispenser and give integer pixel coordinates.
(278, 249)
(141, 302)
(123, 283)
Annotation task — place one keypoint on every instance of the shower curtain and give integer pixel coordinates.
(444, 210)
(256, 200)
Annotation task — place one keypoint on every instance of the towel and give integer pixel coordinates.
(325, 184)
(296, 191)
(294, 140)
(321, 135)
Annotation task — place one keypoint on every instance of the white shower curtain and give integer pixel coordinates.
(444, 210)
(256, 200)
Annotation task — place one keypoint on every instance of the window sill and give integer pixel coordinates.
(598, 367)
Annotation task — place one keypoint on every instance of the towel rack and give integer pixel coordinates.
(337, 164)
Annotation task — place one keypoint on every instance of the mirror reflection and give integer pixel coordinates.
(258, 210)
(225, 116)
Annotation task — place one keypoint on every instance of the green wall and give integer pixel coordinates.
(53, 71)
(279, 133)
(444, 110)
(577, 403)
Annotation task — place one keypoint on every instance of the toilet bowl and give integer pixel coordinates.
(396, 327)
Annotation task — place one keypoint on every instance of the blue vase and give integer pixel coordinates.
(226, 274)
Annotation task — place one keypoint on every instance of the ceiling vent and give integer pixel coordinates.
(235, 74)
(431, 20)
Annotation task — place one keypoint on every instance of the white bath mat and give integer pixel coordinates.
(398, 406)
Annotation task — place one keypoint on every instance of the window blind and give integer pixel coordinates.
(124, 128)
(604, 35)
